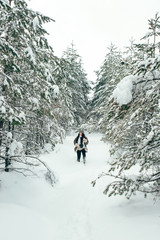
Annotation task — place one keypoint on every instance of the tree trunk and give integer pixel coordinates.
(154, 44)
(7, 160)
(1, 130)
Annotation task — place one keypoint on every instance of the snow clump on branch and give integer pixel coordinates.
(123, 92)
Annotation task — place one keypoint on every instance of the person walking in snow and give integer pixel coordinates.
(80, 143)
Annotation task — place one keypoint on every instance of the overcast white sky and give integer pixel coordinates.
(94, 24)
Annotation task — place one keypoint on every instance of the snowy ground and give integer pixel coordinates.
(30, 209)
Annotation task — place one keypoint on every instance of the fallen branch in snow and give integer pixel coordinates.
(22, 171)
(49, 175)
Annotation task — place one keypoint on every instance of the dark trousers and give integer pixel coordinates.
(79, 154)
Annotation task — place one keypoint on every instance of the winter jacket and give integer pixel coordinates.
(82, 144)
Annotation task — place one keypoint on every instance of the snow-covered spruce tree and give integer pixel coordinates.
(65, 106)
(110, 73)
(152, 46)
(76, 81)
(27, 85)
(134, 131)
(132, 126)
(131, 55)
(129, 61)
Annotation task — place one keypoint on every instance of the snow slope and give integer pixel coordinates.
(73, 210)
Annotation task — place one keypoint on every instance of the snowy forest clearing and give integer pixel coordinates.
(42, 96)
(73, 210)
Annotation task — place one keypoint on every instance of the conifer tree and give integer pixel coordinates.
(110, 73)
(65, 109)
(133, 129)
(135, 138)
(28, 89)
(154, 32)
(151, 47)
(77, 83)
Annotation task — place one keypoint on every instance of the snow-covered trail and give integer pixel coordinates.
(81, 212)
(73, 210)
(74, 197)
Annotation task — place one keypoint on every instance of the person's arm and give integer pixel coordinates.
(75, 142)
(85, 140)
